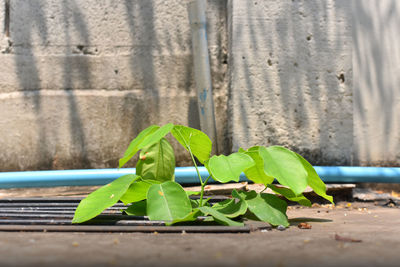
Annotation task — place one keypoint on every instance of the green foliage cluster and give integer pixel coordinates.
(153, 192)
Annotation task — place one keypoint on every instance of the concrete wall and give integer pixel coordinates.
(79, 79)
(376, 65)
(320, 77)
(291, 80)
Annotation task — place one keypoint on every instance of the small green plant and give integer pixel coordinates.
(153, 192)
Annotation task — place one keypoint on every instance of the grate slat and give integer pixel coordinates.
(55, 215)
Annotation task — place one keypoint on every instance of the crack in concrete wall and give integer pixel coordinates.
(7, 18)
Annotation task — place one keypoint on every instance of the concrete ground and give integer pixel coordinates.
(350, 234)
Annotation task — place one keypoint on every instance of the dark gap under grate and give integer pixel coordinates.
(55, 215)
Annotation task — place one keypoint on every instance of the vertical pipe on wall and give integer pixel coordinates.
(202, 70)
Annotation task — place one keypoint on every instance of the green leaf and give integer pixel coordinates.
(314, 181)
(290, 195)
(137, 191)
(157, 135)
(228, 168)
(157, 162)
(102, 198)
(257, 173)
(147, 137)
(199, 143)
(167, 201)
(236, 194)
(133, 146)
(196, 202)
(192, 193)
(231, 208)
(192, 216)
(137, 208)
(285, 166)
(219, 217)
(266, 207)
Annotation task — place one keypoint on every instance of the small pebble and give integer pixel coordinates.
(264, 230)
(75, 244)
(281, 228)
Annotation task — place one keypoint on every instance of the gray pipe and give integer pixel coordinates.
(202, 72)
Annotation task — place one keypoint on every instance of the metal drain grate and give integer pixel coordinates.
(55, 215)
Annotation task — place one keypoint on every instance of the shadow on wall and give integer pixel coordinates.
(294, 78)
(28, 74)
(26, 61)
(59, 55)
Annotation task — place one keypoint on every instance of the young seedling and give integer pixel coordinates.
(153, 192)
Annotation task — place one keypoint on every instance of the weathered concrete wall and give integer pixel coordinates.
(376, 63)
(79, 79)
(291, 80)
(320, 77)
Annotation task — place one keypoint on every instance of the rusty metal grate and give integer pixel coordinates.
(55, 215)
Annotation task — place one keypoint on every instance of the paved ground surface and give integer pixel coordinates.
(377, 227)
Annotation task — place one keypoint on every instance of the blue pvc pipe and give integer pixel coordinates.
(60, 177)
(183, 175)
(358, 174)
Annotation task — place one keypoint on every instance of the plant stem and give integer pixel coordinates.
(264, 189)
(195, 165)
(203, 185)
